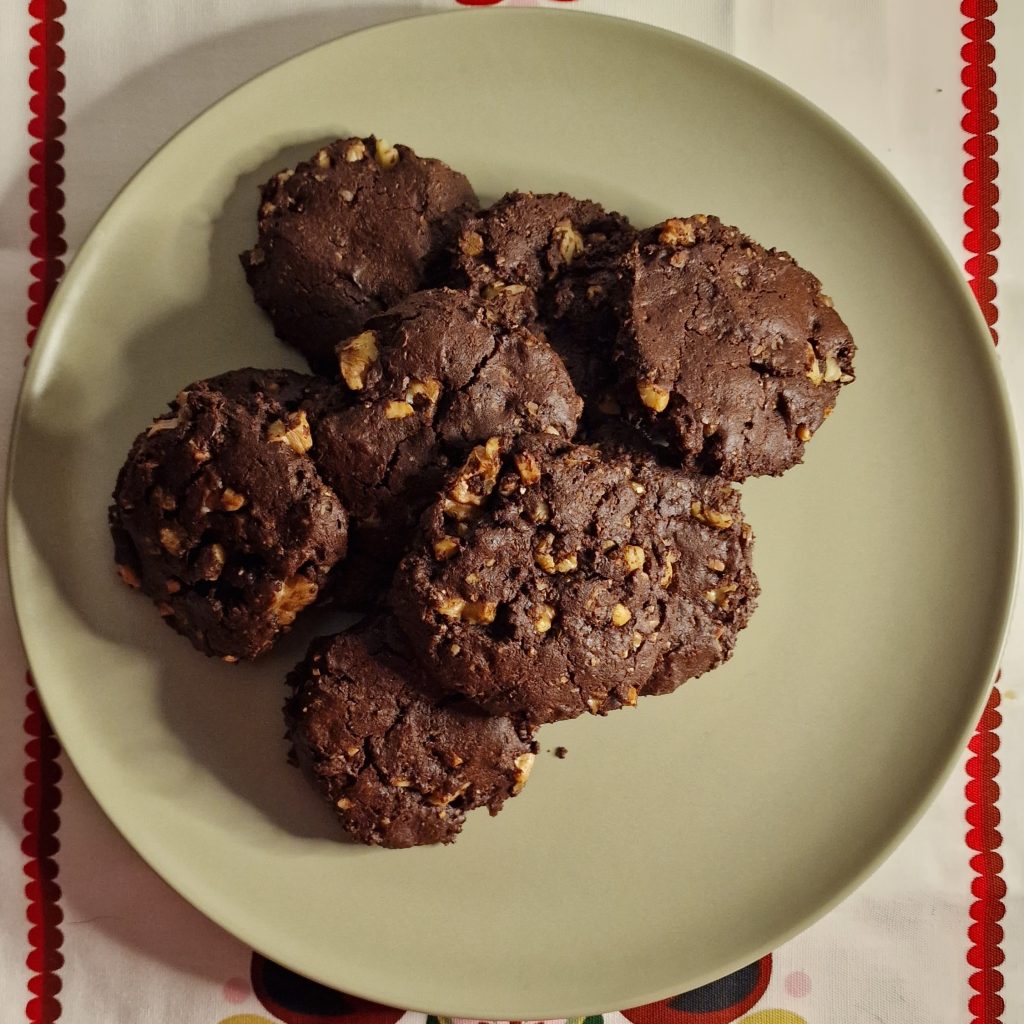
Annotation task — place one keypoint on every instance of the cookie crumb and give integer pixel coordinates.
(561, 753)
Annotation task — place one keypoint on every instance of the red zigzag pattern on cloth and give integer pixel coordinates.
(981, 194)
(42, 771)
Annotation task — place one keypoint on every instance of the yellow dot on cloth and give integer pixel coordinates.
(772, 1017)
(246, 1018)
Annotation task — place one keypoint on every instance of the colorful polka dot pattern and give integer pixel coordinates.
(292, 999)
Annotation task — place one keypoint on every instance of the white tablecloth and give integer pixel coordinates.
(87, 931)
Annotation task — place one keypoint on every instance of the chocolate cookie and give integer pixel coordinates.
(220, 515)
(401, 766)
(567, 252)
(551, 579)
(348, 233)
(438, 373)
(730, 352)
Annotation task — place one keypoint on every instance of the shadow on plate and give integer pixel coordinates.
(227, 717)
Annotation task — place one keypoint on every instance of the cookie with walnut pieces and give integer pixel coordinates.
(220, 516)
(423, 383)
(565, 252)
(400, 763)
(553, 579)
(729, 352)
(347, 233)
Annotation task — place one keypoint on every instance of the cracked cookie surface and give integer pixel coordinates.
(346, 234)
(566, 251)
(422, 384)
(220, 516)
(553, 579)
(400, 763)
(729, 352)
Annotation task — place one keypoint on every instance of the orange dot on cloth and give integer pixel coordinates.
(774, 1017)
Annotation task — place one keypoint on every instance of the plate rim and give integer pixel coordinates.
(981, 337)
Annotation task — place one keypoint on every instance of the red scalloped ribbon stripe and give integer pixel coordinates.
(981, 194)
(39, 846)
(988, 888)
(42, 770)
(46, 174)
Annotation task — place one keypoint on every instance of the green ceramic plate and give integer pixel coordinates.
(677, 841)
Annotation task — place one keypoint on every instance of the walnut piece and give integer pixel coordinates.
(211, 561)
(813, 372)
(568, 240)
(386, 155)
(834, 372)
(355, 151)
(443, 799)
(398, 410)
(634, 557)
(716, 565)
(481, 612)
(230, 500)
(568, 563)
(652, 395)
(524, 765)
(803, 432)
(680, 232)
(450, 607)
(666, 576)
(539, 511)
(430, 389)
(720, 595)
(445, 548)
(295, 594)
(529, 468)
(543, 616)
(294, 432)
(471, 243)
(621, 615)
(710, 516)
(172, 539)
(355, 357)
(475, 481)
(496, 288)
